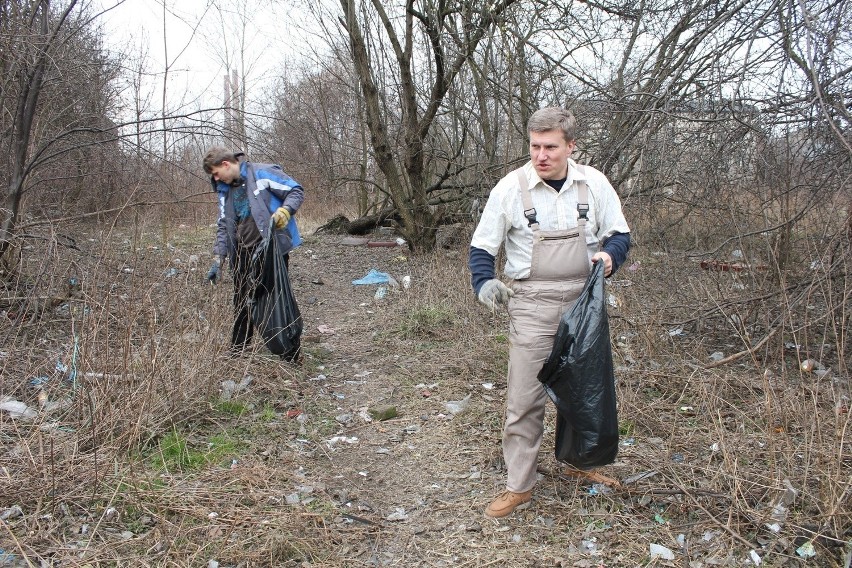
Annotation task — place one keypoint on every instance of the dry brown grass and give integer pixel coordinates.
(143, 463)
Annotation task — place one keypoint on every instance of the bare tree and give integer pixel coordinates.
(407, 57)
(33, 34)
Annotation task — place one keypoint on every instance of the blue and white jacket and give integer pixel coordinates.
(267, 189)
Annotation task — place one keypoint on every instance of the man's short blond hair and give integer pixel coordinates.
(554, 118)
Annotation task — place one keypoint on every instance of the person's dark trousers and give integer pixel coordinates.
(243, 290)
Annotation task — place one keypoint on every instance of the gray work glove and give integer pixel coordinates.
(213, 273)
(494, 292)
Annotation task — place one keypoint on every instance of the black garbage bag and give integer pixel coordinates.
(578, 377)
(274, 311)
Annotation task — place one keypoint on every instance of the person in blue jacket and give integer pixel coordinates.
(255, 200)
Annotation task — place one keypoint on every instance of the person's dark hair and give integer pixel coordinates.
(216, 155)
(554, 118)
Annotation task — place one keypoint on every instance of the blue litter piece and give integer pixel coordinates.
(38, 382)
(373, 277)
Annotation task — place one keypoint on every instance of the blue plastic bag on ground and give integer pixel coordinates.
(373, 277)
(578, 376)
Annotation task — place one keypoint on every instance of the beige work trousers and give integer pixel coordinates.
(535, 312)
(559, 268)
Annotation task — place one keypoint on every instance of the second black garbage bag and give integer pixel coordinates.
(578, 376)
(274, 310)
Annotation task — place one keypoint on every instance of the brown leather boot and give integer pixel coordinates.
(507, 502)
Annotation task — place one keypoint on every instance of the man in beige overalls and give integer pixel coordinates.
(554, 218)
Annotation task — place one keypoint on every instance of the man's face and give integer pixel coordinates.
(225, 172)
(549, 153)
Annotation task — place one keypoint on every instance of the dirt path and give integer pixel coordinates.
(411, 490)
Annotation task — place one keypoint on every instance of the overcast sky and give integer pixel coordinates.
(193, 31)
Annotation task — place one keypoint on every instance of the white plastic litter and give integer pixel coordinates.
(456, 406)
(660, 551)
(18, 409)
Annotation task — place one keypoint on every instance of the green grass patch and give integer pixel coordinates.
(230, 407)
(174, 453)
(430, 321)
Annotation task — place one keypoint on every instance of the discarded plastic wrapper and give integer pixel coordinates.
(373, 277)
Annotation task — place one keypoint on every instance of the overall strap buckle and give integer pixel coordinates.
(583, 210)
(530, 214)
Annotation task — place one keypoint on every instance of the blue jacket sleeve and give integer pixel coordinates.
(617, 246)
(481, 265)
(283, 187)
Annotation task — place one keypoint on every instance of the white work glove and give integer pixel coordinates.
(494, 292)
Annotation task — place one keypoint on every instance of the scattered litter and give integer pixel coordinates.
(398, 515)
(677, 458)
(7, 558)
(639, 477)
(660, 519)
(12, 512)
(406, 282)
(17, 409)
(612, 301)
(400, 242)
(755, 558)
(381, 293)
(717, 356)
(809, 365)
(372, 277)
(383, 451)
(212, 564)
(331, 442)
(806, 550)
(292, 499)
(628, 442)
(457, 406)
(318, 281)
(326, 330)
(230, 388)
(171, 273)
(660, 551)
(599, 489)
(488, 386)
(675, 332)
